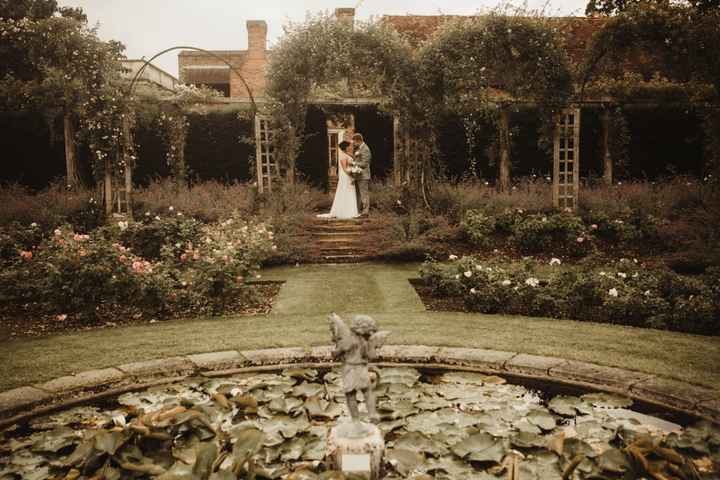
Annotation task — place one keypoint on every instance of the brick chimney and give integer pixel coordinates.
(345, 16)
(257, 37)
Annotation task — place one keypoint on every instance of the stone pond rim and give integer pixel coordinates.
(21, 404)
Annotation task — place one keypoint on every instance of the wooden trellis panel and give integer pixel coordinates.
(566, 159)
(267, 164)
(410, 154)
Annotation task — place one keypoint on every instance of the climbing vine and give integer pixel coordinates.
(479, 67)
(324, 58)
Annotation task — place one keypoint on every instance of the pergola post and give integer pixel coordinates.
(107, 189)
(72, 179)
(397, 166)
(607, 157)
(566, 159)
(504, 144)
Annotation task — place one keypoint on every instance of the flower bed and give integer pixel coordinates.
(160, 267)
(625, 293)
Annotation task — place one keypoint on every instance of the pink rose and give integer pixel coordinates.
(61, 318)
(122, 258)
(26, 255)
(580, 239)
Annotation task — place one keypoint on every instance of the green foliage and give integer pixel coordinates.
(614, 7)
(479, 227)
(624, 293)
(666, 37)
(189, 268)
(471, 64)
(70, 273)
(58, 66)
(148, 237)
(322, 57)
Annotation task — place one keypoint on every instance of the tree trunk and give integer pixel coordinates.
(127, 139)
(504, 144)
(607, 157)
(72, 177)
(108, 189)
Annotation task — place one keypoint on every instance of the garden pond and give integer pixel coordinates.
(437, 424)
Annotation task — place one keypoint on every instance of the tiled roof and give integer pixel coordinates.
(576, 31)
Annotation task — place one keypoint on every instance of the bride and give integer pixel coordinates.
(345, 203)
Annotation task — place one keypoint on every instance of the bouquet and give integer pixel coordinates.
(355, 171)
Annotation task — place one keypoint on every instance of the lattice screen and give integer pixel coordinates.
(267, 165)
(410, 154)
(566, 159)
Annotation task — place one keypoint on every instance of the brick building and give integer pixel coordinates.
(199, 68)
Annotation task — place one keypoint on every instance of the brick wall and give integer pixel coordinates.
(251, 63)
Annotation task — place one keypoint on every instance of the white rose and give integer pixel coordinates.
(613, 292)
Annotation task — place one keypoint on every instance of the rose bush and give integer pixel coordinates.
(624, 293)
(214, 269)
(198, 270)
(82, 274)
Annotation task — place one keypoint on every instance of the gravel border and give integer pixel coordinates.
(25, 402)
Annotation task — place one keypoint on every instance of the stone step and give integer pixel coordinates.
(340, 259)
(340, 239)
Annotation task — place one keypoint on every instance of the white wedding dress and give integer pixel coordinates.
(345, 203)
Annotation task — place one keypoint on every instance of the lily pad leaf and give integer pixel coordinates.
(528, 440)
(481, 447)
(404, 461)
(613, 460)
(420, 443)
(565, 405)
(306, 389)
(541, 418)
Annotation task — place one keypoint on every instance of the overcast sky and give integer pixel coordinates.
(147, 27)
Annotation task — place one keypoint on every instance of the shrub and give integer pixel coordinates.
(148, 237)
(215, 269)
(553, 232)
(624, 293)
(71, 273)
(478, 227)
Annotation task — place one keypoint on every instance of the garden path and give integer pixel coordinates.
(345, 288)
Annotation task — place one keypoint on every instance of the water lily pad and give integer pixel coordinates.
(403, 376)
(541, 418)
(404, 461)
(320, 408)
(565, 406)
(613, 460)
(480, 447)
(421, 443)
(55, 440)
(396, 409)
(306, 389)
(288, 406)
(528, 440)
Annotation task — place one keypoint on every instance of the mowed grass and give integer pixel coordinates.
(299, 318)
(685, 357)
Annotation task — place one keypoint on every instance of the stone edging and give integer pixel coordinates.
(24, 402)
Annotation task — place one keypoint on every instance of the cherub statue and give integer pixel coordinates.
(356, 346)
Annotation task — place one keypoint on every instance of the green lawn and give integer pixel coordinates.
(299, 319)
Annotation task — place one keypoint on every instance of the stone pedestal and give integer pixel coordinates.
(357, 448)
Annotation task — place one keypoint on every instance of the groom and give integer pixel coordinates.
(363, 157)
